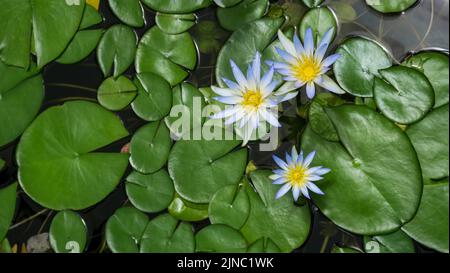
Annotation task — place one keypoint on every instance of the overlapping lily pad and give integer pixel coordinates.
(312, 3)
(318, 118)
(116, 94)
(320, 20)
(175, 23)
(221, 239)
(177, 6)
(68, 233)
(389, 6)
(263, 246)
(226, 3)
(234, 17)
(187, 211)
(397, 242)
(61, 171)
(130, 12)
(8, 205)
(375, 183)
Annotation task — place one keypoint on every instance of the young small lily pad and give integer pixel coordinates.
(389, 6)
(150, 147)
(129, 12)
(68, 233)
(8, 205)
(232, 18)
(165, 234)
(175, 23)
(397, 242)
(186, 211)
(360, 61)
(404, 95)
(221, 239)
(116, 93)
(185, 6)
(320, 20)
(116, 50)
(150, 192)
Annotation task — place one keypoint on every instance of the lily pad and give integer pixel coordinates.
(345, 250)
(435, 66)
(5, 246)
(83, 44)
(21, 96)
(185, 6)
(263, 246)
(8, 205)
(226, 3)
(150, 147)
(312, 3)
(231, 206)
(124, 230)
(116, 50)
(430, 140)
(318, 118)
(397, 242)
(368, 190)
(165, 234)
(243, 44)
(60, 171)
(154, 98)
(47, 25)
(220, 239)
(175, 23)
(150, 192)
(389, 6)
(430, 225)
(234, 17)
(116, 94)
(320, 20)
(404, 95)
(169, 56)
(360, 61)
(91, 17)
(187, 211)
(216, 165)
(129, 12)
(286, 224)
(68, 233)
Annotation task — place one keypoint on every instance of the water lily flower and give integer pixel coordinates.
(251, 99)
(296, 174)
(305, 65)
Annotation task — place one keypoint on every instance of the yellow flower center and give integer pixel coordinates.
(307, 69)
(297, 176)
(252, 99)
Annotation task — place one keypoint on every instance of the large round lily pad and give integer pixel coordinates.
(404, 95)
(8, 205)
(375, 181)
(68, 233)
(175, 23)
(234, 17)
(21, 96)
(397, 242)
(61, 171)
(389, 6)
(286, 224)
(130, 12)
(221, 239)
(361, 59)
(212, 164)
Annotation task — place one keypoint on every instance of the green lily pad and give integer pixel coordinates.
(150, 147)
(124, 230)
(116, 93)
(368, 191)
(129, 12)
(8, 205)
(221, 239)
(150, 192)
(226, 3)
(215, 163)
(430, 225)
(154, 98)
(91, 17)
(243, 44)
(185, 6)
(187, 211)
(21, 96)
(234, 17)
(345, 250)
(116, 50)
(68, 233)
(318, 118)
(435, 66)
(169, 56)
(175, 23)
(404, 95)
(5, 247)
(263, 246)
(286, 224)
(389, 6)
(360, 61)
(82, 45)
(60, 171)
(320, 20)
(430, 140)
(230, 206)
(165, 234)
(312, 3)
(47, 25)
(397, 242)
(345, 12)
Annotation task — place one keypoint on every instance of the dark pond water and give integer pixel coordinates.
(424, 26)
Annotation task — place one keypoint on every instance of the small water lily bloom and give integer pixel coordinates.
(305, 65)
(296, 174)
(251, 99)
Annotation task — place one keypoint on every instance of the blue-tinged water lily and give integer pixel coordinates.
(297, 175)
(306, 65)
(250, 99)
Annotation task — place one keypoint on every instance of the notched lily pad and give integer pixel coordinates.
(263, 245)
(220, 239)
(68, 233)
(175, 23)
(318, 118)
(320, 20)
(232, 18)
(116, 94)
(130, 12)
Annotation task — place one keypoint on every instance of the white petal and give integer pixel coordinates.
(309, 41)
(286, 56)
(229, 100)
(286, 88)
(305, 192)
(251, 81)
(280, 162)
(318, 171)
(320, 52)
(287, 97)
(314, 178)
(257, 67)
(294, 154)
(288, 45)
(225, 92)
(326, 39)
(288, 159)
(310, 90)
(331, 59)
(300, 158)
(269, 117)
(296, 193)
(225, 113)
(298, 46)
(314, 188)
(330, 85)
(238, 75)
(279, 181)
(309, 159)
(236, 117)
(231, 84)
(267, 78)
(283, 190)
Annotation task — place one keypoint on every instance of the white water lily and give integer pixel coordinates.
(305, 65)
(251, 99)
